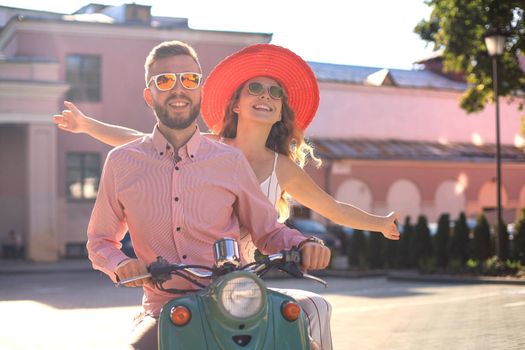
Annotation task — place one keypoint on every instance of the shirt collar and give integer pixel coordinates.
(163, 147)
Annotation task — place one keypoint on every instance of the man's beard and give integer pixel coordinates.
(176, 123)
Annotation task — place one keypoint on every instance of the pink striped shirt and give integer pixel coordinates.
(178, 209)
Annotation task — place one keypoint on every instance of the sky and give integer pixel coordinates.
(374, 33)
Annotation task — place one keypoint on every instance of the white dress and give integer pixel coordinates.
(270, 187)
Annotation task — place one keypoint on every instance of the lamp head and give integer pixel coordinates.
(495, 42)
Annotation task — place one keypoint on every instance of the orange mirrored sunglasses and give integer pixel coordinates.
(167, 81)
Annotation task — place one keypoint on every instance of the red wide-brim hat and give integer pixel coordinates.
(293, 74)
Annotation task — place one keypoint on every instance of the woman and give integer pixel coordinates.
(260, 100)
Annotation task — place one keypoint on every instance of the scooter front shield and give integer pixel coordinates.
(211, 328)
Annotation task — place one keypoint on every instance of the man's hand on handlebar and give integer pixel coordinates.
(130, 268)
(315, 256)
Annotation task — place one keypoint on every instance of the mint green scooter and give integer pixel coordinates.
(236, 310)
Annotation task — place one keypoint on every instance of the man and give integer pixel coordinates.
(177, 192)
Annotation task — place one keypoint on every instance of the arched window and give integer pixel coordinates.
(487, 196)
(404, 197)
(450, 199)
(355, 192)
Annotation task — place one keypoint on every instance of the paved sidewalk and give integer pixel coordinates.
(24, 266)
(437, 278)
(84, 265)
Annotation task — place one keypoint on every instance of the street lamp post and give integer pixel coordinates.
(495, 43)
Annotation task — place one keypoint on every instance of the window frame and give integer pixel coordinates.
(84, 170)
(85, 79)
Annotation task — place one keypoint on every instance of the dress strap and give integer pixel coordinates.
(275, 162)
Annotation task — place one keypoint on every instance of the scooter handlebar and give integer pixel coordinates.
(287, 260)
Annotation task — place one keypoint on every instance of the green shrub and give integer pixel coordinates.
(441, 240)
(503, 251)
(481, 242)
(472, 264)
(455, 266)
(519, 237)
(374, 250)
(421, 248)
(403, 250)
(494, 266)
(357, 249)
(390, 253)
(428, 265)
(458, 243)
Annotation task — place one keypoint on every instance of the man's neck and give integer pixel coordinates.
(177, 138)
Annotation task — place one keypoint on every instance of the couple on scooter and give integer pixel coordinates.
(177, 190)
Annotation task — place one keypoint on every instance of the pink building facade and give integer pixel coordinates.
(415, 185)
(95, 57)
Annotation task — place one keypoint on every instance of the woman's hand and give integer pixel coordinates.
(391, 231)
(71, 119)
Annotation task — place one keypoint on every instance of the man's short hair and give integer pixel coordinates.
(168, 49)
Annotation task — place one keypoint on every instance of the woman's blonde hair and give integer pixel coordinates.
(285, 138)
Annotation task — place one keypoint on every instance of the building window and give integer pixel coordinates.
(76, 250)
(83, 175)
(83, 76)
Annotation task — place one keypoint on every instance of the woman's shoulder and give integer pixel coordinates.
(283, 161)
(286, 169)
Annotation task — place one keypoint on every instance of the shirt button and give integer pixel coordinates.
(161, 153)
(176, 199)
(176, 168)
(178, 228)
(184, 256)
(191, 156)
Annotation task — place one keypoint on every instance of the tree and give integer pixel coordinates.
(374, 249)
(441, 240)
(519, 237)
(458, 243)
(422, 243)
(503, 240)
(357, 251)
(481, 242)
(403, 251)
(390, 253)
(458, 28)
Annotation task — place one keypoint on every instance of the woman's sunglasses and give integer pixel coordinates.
(257, 89)
(167, 81)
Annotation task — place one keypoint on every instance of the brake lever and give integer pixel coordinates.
(317, 279)
(132, 279)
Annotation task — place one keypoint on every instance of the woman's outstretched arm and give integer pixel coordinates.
(73, 120)
(304, 190)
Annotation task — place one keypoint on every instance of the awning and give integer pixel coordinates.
(391, 149)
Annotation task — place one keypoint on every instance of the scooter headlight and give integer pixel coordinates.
(242, 297)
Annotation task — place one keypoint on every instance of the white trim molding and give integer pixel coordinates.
(25, 118)
(29, 89)
(128, 32)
